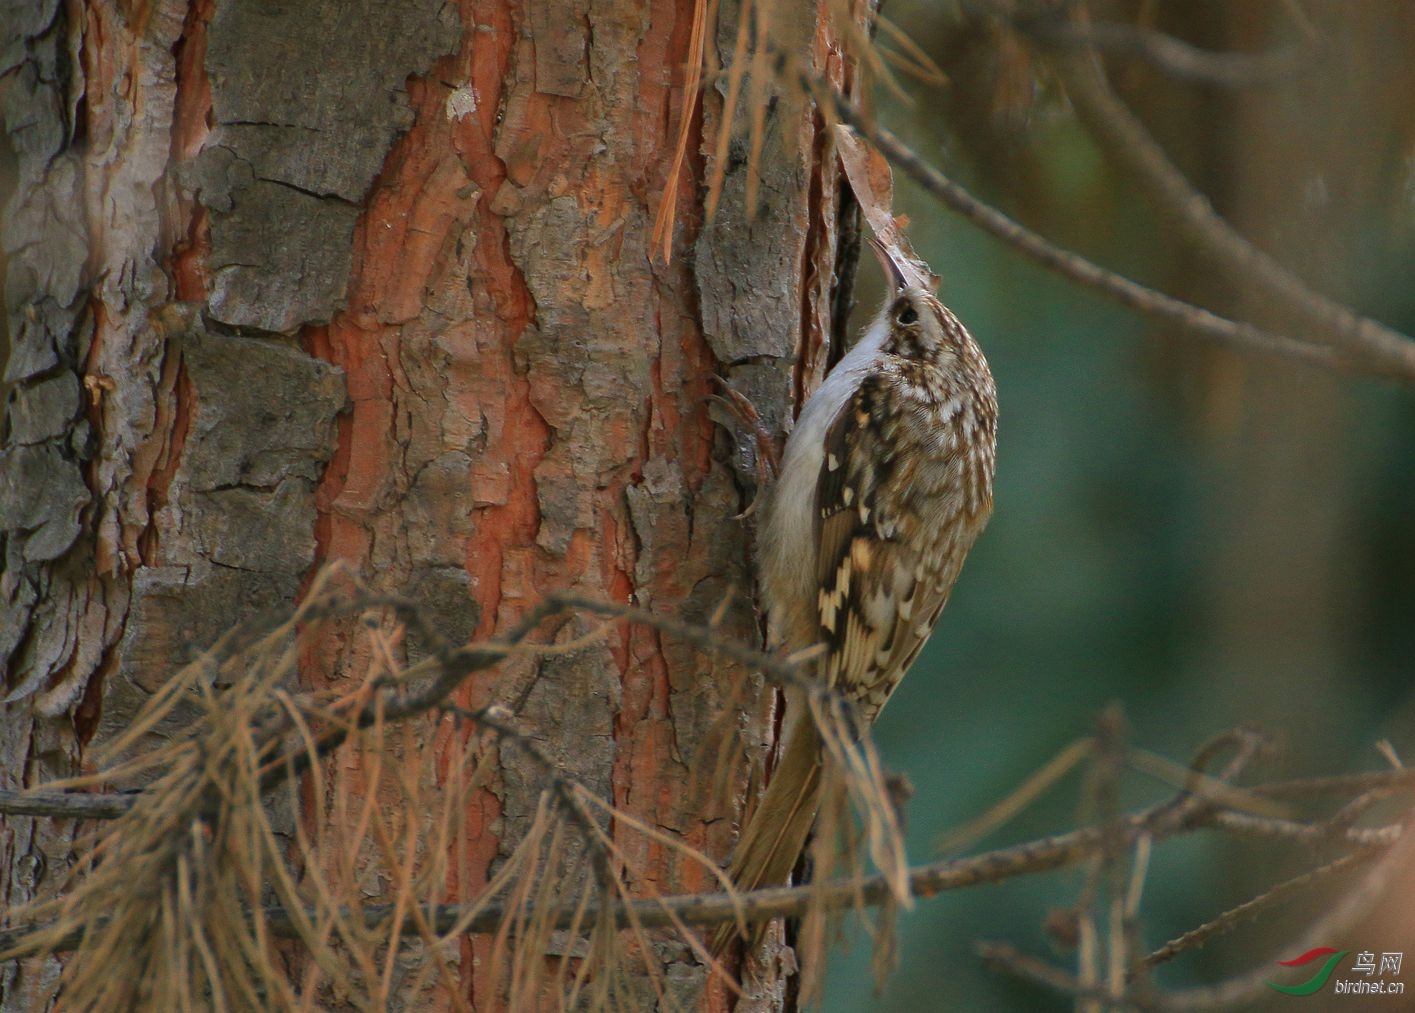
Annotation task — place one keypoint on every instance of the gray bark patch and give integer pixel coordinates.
(237, 529)
(177, 612)
(307, 98)
(44, 410)
(264, 412)
(42, 496)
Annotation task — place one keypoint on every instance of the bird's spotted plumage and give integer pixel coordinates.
(885, 483)
(904, 488)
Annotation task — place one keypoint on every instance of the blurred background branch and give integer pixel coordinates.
(1173, 56)
(1211, 536)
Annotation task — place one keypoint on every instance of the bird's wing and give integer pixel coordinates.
(876, 607)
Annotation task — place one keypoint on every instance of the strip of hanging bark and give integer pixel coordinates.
(873, 183)
(663, 222)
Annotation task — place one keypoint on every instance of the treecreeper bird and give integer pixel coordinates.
(884, 485)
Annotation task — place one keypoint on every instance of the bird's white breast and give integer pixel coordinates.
(788, 550)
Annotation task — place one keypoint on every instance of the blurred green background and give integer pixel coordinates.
(1211, 539)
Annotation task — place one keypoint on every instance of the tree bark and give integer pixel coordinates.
(372, 282)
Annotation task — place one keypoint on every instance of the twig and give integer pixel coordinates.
(716, 908)
(1104, 871)
(1140, 995)
(1352, 811)
(783, 672)
(1334, 922)
(1029, 858)
(754, 906)
(1370, 344)
(1229, 919)
(1203, 791)
(73, 805)
(1170, 55)
(1142, 299)
(1008, 958)
(1249, 825)
(449, 665)
(1340, 784)
(1203, 801)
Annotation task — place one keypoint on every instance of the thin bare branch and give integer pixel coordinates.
(1173, 56)
(1369, 344)
(1230, 919)
(1193, 319)
(199, 837)
(1340, 784)
(1334, 922)
(1029, 858)
(74, 805)
(1009, 959)
(1249, 825)
(783, 672)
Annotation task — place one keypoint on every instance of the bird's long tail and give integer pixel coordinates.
(777, 831)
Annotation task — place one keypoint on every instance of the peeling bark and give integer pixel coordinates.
(371, 282)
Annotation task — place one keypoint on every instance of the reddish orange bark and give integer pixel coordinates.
(528, 389)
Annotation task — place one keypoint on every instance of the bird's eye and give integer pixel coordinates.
(907, 315)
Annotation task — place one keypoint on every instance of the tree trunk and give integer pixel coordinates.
(372, 282)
